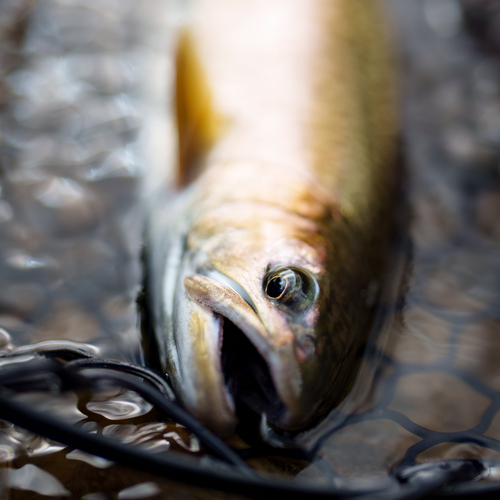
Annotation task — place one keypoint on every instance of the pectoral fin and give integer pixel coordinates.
(198, 126)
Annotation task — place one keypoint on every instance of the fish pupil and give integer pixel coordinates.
(276, 287)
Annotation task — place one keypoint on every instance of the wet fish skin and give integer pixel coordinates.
(288, 139)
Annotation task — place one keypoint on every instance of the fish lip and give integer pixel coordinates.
(199, 380)
(214, 291)
(221, 278)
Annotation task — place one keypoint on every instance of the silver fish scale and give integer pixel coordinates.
(73, 76)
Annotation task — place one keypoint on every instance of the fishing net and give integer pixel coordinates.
(422, 419)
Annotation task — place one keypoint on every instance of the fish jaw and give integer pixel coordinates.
(288, 403)
(199, 379)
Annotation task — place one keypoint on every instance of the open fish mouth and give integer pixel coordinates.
(247, 375)
(242, 362)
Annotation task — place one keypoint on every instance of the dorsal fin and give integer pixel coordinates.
(197, 124)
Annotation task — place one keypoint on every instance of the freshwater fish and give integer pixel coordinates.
(276, 230)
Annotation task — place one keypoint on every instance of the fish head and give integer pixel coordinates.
(254, 320)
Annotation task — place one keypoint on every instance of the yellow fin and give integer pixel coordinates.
(197, 125)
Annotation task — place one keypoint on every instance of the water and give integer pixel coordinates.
(83, 88)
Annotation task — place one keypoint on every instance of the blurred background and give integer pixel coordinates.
(84, 112)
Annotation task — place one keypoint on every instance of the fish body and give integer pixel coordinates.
(287, 160)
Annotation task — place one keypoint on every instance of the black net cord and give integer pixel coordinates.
(409, 483)
(174, 467)
(101, 371)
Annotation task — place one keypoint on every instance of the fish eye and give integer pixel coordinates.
(276, 287)
(289, 287)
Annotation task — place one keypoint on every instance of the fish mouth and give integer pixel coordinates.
(239, 359)
(252, 368)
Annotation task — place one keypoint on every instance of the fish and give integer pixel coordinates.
(275, 230)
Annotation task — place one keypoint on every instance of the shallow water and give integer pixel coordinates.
(82, 96)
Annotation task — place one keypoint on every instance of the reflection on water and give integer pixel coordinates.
(116, 406)
(31, 478)
(72, 121)
(69, 139)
